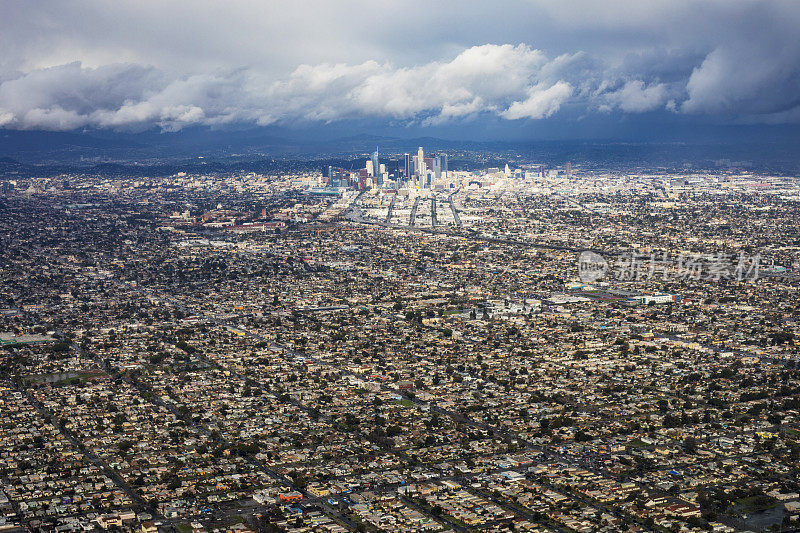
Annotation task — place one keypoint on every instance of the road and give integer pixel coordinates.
(354, 214)
(456, 217)
(413, 215)
(389, 211)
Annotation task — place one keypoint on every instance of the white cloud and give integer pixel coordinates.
(540, 103)
(238, 62)
(79, 63)
(635, 97)
(6, 118)
(480, 79)
(53, 118)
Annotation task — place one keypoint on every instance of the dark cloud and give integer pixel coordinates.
(510, 81)
(754, 77)
(132, 65)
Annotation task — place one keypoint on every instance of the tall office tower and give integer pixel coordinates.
(436, 163)
(407, 166)
(507, 171)
(330, 176)
(421, 162)
(370, 168)
(569, 168)
(376, 165)
(444, 164)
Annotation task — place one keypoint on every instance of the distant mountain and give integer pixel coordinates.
(13, 141)
(11, 168)
(271, 148)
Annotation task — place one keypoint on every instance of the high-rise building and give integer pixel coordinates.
(444, 165)
(370, 168)
(336, 177)
(569, 168)
(421, 162)
(407, 166)
(376, 165)
(436, 167)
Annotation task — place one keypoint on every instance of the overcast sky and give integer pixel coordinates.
(133, 65)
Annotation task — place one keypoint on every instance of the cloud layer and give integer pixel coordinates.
(81, 63)
(513, 82)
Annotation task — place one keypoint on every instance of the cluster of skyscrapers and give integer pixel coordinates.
(421, 171)
(416, 171)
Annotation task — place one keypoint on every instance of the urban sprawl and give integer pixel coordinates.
(401, 347)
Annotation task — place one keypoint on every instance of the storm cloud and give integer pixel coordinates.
(129, 66)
